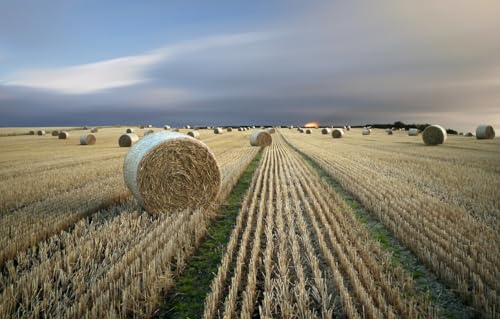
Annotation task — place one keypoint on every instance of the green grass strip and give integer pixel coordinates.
(188, 297)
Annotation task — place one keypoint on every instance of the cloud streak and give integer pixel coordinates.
(119, 72)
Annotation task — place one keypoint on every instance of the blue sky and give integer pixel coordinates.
(235, 62)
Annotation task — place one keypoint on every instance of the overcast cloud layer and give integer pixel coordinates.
(351, 62)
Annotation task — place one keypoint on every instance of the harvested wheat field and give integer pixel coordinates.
(298, 226)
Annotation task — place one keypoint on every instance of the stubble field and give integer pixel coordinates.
(376, 226)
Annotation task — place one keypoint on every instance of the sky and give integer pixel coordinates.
(69, 62)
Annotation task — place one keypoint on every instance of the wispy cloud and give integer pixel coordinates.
(119, 72)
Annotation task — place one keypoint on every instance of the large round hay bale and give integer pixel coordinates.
(308, 131)
(413, 132)
(218, 130)
(168, 172)
(366, 131)
(337, 133)
(434, 135)
(40, 132)
(94, 130)
(127, 140)
(326, 131)
(130, 130)
(87, 139)
(147, 132)
(229, 129)
(166, 127)
(271, 130)
(485, 132)
(55, 133)
(63, 135)
(194, 134)
(261, 138)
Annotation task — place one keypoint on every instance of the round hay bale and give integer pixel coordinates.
(188, 127)
(485, 132)
(127, 140)
(326, 131)
(271, 130)
(308, 131)
(413, 132)
(94, 130)
(389, 132)
(218, 130)
(348, 127)
(337, 133)
(150, 126)
(87, 139)
(31, 132)
(229, 129)
(168, 172)
(130, 130)
(366, 131)
(261, 138)
(301, 130)
(194, 134)
(434, 135)
(40, 132)
(147, 132)
(469, 134)
(166, 127)
(63, 135)
(55, 133)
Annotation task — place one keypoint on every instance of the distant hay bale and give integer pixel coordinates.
(32, 133)
(261, 138)
(194, 134)
(308, 131)
(229, 129)
(291, 127)
(389, 132)
(40, 132)
(241, 129)
(413, 132)
(218, 130)
(348, 127)
(485, 132)
(301, 130)
(337, 133)
(326, 131)
(434, 135)
(55, 133)
(147, 132)
(130, 130)
(94, 130)
(188, 127)
(63, 135)
(87, 139)
(150, 126)
(469, 134)
(168, 172)
(127, 140)
(366, 131)
(271, 130)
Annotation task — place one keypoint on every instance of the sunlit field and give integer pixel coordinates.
(363, 226)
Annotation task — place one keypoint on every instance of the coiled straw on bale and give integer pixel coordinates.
(94, 130)
(127, 140)
(168, 172)
(325, 131)
(337, 133)
(434, 135)
(261, 138)
(63, 135)
(130, 130)
(194, 134)
(40, 132)
(87, 139)
(413, 132)
(485, 132)
(218, 130)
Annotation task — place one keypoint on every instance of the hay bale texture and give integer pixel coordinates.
(87, 139)
(130, 130)
(308, 131)
(229, 129)
(127, 140)
(485, 132)
(40, 132)
(413, 132)
(63, 135)
(168, 172)
(218, 130)
(194, 134)
(434, 135)
(326, 131)
(55, 133)
(261, 138)
(337, 133)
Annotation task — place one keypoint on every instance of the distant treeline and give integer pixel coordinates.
(400, 124)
